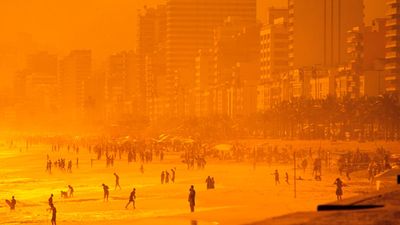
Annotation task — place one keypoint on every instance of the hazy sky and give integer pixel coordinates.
(105, 26)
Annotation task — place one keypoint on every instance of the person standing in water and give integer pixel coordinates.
(11, 203)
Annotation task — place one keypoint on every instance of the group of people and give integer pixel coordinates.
(69, 193)
(61, 164)
(210, 182)
(166, 176)
(53, 210)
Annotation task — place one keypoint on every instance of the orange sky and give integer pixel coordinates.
(105, 26)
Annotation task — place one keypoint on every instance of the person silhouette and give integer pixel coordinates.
(71, 191)
(132, 198)
(208, 181)
(339, 188)
(173, 175)
(166, 177)
(11, 203)
(53, 215)
(106, 192)
(162, 177)
(192, 198)
(51, 201)
(117, 181)
(287, 178)
(276, 176)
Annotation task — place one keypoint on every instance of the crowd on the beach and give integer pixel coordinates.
(194, 154)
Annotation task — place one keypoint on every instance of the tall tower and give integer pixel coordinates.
(318, 30)
(151, 60)
(190, 27)
(75, 70)
(392, 66)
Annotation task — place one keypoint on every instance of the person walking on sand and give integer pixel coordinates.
(117, 181)
(208, 181)
(132, 198)
(339, 188)
(162, 177)
(276, 176)
(53, 215)
(192, 198)
(106, 192)
(287, 178)
(166, 177)
(173, 175)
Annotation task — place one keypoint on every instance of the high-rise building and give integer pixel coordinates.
(366, 49)
(123, 86)
(277, 13)
(151, 61)
(75, 70)
(190, 27)
(237, 58)
(274, 56)
(274, 49)
(318, 30)
(41, 79)
(392, 66)
(35, 87)
(204, 82)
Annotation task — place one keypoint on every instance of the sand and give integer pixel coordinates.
(243, 194)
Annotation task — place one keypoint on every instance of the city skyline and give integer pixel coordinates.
(46, 25)
(204, 59)
(270, 110)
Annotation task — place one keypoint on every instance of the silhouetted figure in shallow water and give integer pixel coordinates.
(132, 198)
(11, 203)
(192, 198)
(106, 192)
(117, 181)
(339, 188)
(208, 181)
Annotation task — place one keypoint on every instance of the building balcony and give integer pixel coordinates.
(392, 44)
(392, 66)
(390, 78)
(392, 55)
(392, 22)
(392, 2)
(392, 33)
(392, 11)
